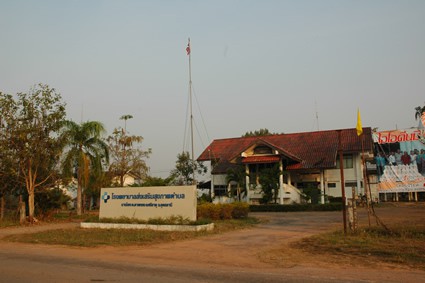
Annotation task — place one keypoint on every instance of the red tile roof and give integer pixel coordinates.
(261, 159)
(308, 150)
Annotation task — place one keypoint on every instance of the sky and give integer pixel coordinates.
(288, 66)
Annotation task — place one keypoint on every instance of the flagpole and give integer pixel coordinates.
(190, 105)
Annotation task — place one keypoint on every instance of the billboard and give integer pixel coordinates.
(397, 174)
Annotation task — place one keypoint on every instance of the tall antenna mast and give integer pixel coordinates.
(317, 115)
(190, 105)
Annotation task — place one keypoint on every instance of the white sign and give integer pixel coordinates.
(148, 202)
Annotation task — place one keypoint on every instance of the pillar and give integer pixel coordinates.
(212, 188)
(281, 192)
(322, 186)
(247, 183)
(359, 176)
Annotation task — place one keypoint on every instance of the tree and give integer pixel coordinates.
(236, 174)
(86, 153)
(31, 126)
(7, 178)
(98, 179)
(418, 112)
(183, 174)
(125, 118)
(269, 180)
(258, 133)
(127, 155)
(150, 181)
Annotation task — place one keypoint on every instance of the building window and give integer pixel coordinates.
(347, 161)
(219, 190)
(352, 184)
(262, 149)
(331, 185)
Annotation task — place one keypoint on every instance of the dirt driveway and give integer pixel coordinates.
(263, 252)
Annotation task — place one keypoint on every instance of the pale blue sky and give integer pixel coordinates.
(255, 64)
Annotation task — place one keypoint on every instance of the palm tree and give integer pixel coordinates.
(85, 153)
(237, 175)
(418, 112)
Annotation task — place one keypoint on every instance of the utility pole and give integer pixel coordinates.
(341, 170)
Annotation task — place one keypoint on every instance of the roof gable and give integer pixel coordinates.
(259, 141)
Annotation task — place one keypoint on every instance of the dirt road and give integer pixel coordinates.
(259, 254)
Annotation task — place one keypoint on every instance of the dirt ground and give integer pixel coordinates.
(266, 248)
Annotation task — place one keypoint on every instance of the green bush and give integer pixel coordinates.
(204, 199)
(332, 199)
(49, 200)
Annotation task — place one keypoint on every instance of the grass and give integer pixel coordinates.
(121, 237)
(7, 222)
(401, 245)
(172, 220)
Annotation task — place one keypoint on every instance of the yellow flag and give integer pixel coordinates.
(359, 127)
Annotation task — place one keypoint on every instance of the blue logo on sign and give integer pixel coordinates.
(105, 197)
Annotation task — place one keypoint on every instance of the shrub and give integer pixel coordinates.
(240, 210)
(46, 201)
(204, 199)
(225, 211)
(295, 207)
(208, 211)
(212, 211)
(332, 199)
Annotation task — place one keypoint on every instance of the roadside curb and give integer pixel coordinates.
(181, 228)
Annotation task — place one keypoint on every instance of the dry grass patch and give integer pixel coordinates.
(122, 237)
(401, 245)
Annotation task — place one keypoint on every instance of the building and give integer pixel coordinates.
(306, 162)
(130, 179)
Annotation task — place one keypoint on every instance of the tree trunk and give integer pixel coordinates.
(97, 203)
(122, 180)
(2, 207)
(31, 204)
(79, 199)
(22, 211)
(84, 206)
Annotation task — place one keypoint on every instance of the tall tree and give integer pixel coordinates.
(85, 153)
(98, 179)
(31, 124)
(185, 168)
(7, 178)
(418, 113)
(125, 118)
(127, 155)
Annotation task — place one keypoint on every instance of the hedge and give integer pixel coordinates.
(212, 211)
(295, 207)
